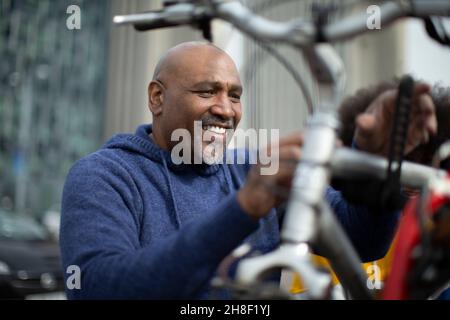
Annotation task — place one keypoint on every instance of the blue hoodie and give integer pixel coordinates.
(139, 226)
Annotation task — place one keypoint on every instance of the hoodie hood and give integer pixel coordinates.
(142, 144)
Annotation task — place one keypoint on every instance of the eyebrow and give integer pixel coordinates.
(216, 85)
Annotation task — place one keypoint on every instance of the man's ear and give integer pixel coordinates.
(155, 97)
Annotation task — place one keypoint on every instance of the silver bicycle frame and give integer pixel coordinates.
(309, 220)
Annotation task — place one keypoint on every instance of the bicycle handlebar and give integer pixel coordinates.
(179, 14)
(349, 163)
(295, 32)
(320, 161)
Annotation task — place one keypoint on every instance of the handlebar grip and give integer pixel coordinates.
(390, 194)
(154, 25)
(400, 124)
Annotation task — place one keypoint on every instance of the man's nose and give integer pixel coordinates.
(223, 107)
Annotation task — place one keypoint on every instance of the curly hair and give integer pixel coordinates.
(356, 104)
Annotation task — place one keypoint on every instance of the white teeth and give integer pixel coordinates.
(215, 129)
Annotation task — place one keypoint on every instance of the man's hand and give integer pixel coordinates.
(373, 127)
(263, 192)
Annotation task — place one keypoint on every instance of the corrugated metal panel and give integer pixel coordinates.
(272, 98)
(52, 84)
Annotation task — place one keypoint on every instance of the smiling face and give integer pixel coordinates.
(195, 82)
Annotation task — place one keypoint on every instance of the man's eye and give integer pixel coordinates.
(206, 93)
(235, 97)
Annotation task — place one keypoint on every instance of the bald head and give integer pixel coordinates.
(193, 81)
(177, 58)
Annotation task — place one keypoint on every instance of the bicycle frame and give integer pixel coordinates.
(308, 221)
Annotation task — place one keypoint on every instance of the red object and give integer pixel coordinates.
(396, 287)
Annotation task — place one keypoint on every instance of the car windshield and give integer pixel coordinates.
(17, 227)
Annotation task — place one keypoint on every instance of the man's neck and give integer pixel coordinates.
(154, 138)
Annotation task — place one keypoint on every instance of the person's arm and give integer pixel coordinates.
(100, 234)
(371, 233)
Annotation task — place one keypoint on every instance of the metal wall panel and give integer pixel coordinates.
(52, 95)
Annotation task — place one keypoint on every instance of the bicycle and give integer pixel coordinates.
(309, 221)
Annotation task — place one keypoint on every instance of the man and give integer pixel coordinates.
(140, 226)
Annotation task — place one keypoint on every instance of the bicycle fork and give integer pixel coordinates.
(309, 222)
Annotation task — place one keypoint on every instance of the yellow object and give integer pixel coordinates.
(384, 265)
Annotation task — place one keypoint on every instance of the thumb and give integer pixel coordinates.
(421, 88)
(365, 135)
(365, 124)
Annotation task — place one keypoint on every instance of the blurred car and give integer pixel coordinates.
(30, 265)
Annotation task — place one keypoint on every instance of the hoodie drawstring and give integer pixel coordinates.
(174, 203)
(227, 178)
(228, 187)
